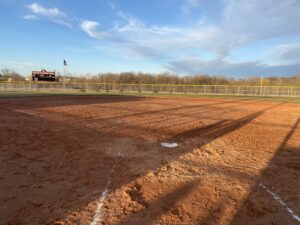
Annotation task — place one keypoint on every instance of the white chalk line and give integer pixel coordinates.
(26, 112)
(31, 113)
(281, 202)
(98, 214)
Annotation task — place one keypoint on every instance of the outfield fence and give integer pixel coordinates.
(74, 87)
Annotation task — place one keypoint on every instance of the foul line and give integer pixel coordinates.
(281, 202)
(26, 112)
(98, 214)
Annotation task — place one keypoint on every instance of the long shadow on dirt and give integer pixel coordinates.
(281, 177)
(153, 211)
(56, 101)
(207, 133)
(170, 111)
(50, 170)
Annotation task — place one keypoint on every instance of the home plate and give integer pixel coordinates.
(169, 145)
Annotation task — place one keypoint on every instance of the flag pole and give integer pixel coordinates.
(65, 71)
(64, 78)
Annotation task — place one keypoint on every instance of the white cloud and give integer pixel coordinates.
(131, 23)
(289, 51)
(48, 12)
(158, 40)
(241, 22)
(30, 17)
(224, 67)
(90, 27)
(257, 20)
(53, 14)
(190, 4)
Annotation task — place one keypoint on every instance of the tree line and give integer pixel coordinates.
(163, 78)
(168, 78)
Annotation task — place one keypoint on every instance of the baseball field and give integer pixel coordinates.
(101, 160)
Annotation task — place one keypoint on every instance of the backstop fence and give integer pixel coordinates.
(74, 87)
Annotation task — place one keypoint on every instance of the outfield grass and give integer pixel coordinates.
(41, 94)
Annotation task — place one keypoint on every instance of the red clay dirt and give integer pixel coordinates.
(57, 155)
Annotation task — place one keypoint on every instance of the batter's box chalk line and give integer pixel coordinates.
(281, 202)
(98, 217)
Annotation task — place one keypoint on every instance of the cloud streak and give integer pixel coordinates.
(54, 15)
(90, 27)
(238, 69)
(289, 51)
(242, 22)
(190, 4)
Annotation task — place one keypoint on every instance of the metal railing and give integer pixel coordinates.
(74, 87)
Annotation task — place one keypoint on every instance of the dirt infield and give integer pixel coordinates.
(99, 160)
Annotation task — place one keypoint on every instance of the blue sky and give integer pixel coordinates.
(228, 37)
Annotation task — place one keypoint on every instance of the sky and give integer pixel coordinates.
(236, 38)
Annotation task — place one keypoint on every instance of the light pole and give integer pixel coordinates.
(261, 85)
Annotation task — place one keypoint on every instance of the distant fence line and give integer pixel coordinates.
(75, 87)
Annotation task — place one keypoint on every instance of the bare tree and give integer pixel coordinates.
(11, 74)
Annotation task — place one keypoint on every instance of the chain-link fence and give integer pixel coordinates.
(283, 91)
